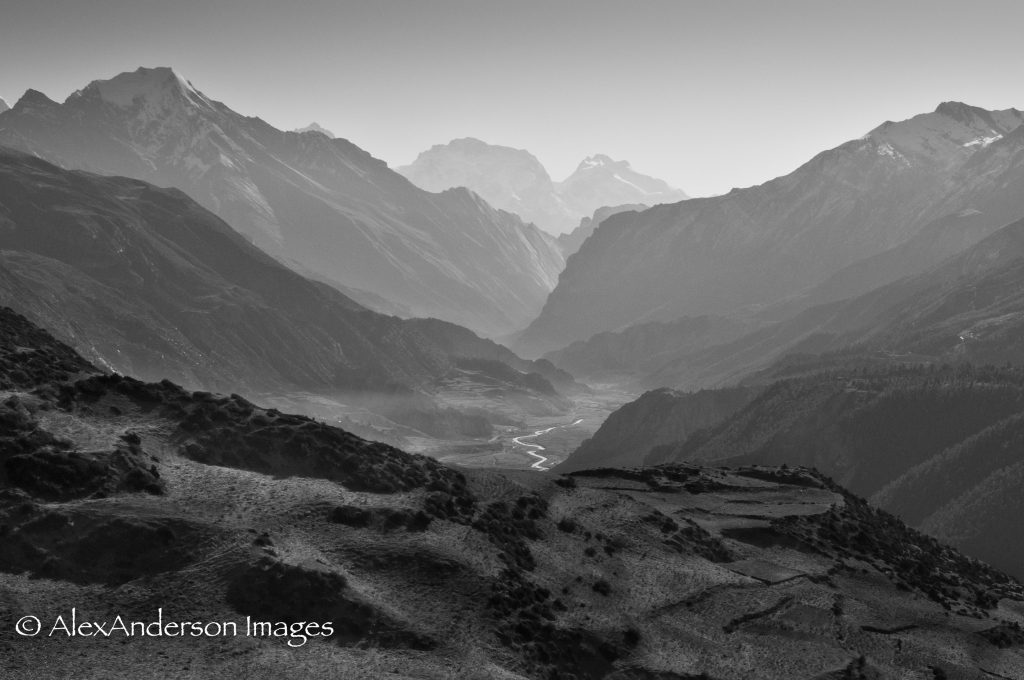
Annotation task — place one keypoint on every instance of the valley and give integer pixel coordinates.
(558, 434)
(479, 423)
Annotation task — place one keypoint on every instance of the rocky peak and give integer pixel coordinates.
(148, 88)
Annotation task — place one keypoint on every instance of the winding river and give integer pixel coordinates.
(535, 449)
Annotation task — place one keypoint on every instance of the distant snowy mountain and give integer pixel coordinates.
(315, 127)
(514, 180)
(323, 205)
(600, 181)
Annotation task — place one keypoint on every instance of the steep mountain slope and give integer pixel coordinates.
(323, 205)
(755, 246)
(968, 308)
(571, 241)
(656, 418)
(3, 106)
(937, 241)
(514, 180)
(145, 281)
(922, 442)
(461, 342)
(643, 349)
(378, 563)
(969, 494)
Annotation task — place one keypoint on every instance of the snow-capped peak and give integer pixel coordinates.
(952, 129)
(595, 161)
(152, 85)
(316, 127)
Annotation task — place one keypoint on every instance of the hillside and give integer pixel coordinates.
(656, 418)
(144, 281)
(966, 308)
(922, 442)
(641, 351)
(392, 565)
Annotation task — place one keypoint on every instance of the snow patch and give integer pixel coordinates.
(626, 181)
(985, 141)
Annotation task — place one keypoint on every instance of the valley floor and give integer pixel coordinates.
(561, 435)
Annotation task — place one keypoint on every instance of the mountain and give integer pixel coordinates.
(315, 127)
(750, 248)
(968, 308)
(600, 181)
(155, 504)
(926, 443)
(571, 241)
(656, 418)
(643, 349)
(145, 281)
(509, 179)
(3, 106)
(322, 205)
(514, 180)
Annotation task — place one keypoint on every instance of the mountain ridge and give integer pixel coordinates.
(325, 205)
(743, 251)
(514, 180)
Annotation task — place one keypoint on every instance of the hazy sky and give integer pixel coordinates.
(707, 95)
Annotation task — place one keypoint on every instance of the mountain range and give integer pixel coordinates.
(514, 180)
(323, 206)
(753, 249)
(145, 281)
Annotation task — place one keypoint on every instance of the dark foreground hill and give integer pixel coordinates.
(119, 497)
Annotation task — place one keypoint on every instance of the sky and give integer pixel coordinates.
(705, 95)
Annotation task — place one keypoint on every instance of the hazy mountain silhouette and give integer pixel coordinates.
(514, 180)
(600, 181)
(322, 205)
(315, 127)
